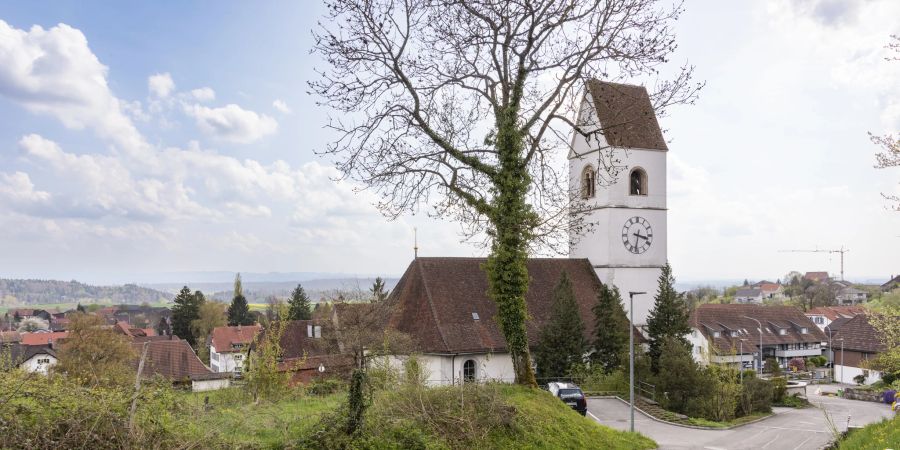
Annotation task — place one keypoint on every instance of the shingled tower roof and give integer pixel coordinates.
(626, 115)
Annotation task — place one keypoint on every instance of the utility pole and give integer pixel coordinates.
(759, 370)
(631, 353)
(842, 250)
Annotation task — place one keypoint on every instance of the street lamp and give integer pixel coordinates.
(759, 368)
(741, 361)
(631, 295)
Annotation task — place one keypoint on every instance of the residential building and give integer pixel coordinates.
(854, 343)
(33, 358)
(443, 304)
(175, 360)
(47, 338)
(849, 295)
(752, 295)
(311, 348)
(817, 277)
(891, 284)
(731, 334)
(770, 291)
(823, 316)
(228, 347)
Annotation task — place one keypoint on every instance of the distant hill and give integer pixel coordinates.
(29, 292)
(257, 291)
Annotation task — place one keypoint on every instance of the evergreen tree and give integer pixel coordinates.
(378, 291)
(561, 343)
(185, 311)
(80, 308)
(239, 311)
(668, 319)
(611, 330)
(162, 327)
(299, 305)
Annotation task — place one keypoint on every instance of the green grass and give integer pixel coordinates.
(884, 434)
(235, 420)
(544, 422)
(730, 423)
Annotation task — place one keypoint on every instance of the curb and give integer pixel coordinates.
(695, 427)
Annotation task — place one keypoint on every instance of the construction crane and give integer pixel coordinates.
(842, 250)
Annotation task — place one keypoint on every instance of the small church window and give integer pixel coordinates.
(588, 182)
(638, 182)
(469, 371)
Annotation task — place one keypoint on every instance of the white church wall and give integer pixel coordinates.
(636, 280)
(442, 370)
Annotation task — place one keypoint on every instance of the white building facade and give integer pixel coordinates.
(625, 216)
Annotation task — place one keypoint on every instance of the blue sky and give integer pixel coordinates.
(105, 173)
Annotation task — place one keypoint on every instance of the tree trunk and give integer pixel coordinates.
(507, 264)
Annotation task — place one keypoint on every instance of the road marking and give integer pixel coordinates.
(790, 429)
(801, 444)
(595, 417)
(773, 440)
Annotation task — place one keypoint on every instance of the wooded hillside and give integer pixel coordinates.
(26, 292)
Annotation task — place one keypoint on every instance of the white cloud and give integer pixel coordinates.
(161, 84)
(54, 72)
(204, 94)
(232, 123)
(17, 188)
(280, 105)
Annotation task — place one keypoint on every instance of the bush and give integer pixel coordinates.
(860, 379)
(756, 396)
(797, 364)
(889, 377)
(779, 389)
(325, 386)
(793, 401)
(818, 361)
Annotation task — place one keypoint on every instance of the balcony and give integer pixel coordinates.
(800, 352)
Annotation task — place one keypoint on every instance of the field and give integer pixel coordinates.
(60, 307)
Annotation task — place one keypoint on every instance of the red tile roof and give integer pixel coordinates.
(443, 303)
(224, 338)
(43, 338)
(858, 334)
(626, 115)
(816, 276)
(834, 312)
(173, 359)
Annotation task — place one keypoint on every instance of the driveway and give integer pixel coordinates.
(790, 429)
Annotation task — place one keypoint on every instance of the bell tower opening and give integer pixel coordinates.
(638, 182)
(588, 182)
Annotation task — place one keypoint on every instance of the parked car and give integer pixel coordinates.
(570, 394)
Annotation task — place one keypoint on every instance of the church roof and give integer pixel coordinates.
(626, 115)
(443, 303)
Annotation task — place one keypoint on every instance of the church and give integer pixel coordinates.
(443, 304)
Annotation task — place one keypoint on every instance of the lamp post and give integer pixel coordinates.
(741, 362)
(631, 295)
(759, 367)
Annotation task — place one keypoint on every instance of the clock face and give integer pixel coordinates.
(637, 235)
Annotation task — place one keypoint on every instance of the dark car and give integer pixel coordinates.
(571, 395)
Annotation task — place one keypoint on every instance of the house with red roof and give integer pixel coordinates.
(228, 347)
(175, 360)
(823, 316)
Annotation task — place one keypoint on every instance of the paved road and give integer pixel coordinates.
(789, 429)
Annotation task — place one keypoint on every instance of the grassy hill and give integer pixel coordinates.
(884, 434)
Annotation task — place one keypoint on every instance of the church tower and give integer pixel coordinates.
(625, 220)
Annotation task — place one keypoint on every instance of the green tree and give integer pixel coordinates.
(95, 355)
(185, 311)
(668, 319)
(561, 343)
(210, 316)
(239, 310)
(80, 308)
(264, 379)
(610, 330)
(678, 377)
(466, 112)
(378, 291)
(300, 307)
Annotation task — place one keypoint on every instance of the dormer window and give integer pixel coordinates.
(588, 182)
(804, 330)
(734, 334)
(782, 332)
(716, 334)
(638, 182)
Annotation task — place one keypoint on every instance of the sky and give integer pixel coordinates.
(179, 136)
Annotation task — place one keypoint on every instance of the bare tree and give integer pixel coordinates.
(890, 145)
(469, 106)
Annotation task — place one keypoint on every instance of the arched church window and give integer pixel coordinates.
(469, 371)
(638, 182)
(588, 182)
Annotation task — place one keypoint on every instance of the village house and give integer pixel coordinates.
(854, 343)
(823, 316)
(849, 295)
(443, 304)
(752, 295)
(730, 334)
(769, 290)
(816, 277)
(175, 360)
(32, 358)
(891, 284)
(228, 347)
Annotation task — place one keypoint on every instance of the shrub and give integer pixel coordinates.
(818, 361)
(889, 377)
(797, 364)
(779, 389)
(756, 396)
(860, 379)
(325, 386)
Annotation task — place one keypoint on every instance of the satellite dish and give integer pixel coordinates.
(321, 368)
